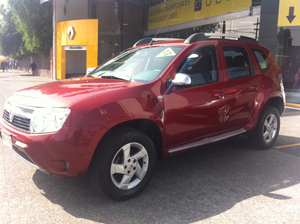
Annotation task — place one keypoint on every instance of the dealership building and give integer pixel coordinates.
(88, 32)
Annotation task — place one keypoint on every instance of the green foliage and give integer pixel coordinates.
(34, 21)
(10, 39)
(31, 24)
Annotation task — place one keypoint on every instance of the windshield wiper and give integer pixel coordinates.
(115, 77)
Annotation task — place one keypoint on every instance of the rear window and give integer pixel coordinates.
(262, 59)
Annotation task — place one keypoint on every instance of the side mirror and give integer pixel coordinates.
(182, 79)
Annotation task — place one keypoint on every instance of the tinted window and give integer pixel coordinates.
(138, 64)
(262, 59)
(201, 65)
(237, 62)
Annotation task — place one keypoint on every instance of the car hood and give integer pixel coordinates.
(66, 92)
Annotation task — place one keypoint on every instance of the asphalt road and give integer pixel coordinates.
(227, 182)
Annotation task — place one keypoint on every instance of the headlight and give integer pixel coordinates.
(48, 119)
(7, 106)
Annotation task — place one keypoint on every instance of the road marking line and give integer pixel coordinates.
(286, 146)
(292, 113)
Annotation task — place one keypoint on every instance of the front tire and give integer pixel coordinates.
(267, 129)
(124, 164)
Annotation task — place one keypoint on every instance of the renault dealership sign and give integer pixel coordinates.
(173, 12)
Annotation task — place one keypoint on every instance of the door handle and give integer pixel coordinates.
(254, 87)
(219, 95)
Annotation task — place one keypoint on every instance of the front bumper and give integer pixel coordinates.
(66, 153)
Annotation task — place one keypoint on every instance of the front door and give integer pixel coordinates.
(194, 111)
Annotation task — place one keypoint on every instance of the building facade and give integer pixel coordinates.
(103, 28)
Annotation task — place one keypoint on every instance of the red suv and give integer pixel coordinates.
(160, 97)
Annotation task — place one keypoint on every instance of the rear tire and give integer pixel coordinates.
(124, 164)
(267, 129)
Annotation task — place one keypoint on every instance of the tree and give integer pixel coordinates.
(10, 39)
(34, 22)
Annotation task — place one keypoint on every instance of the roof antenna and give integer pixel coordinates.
(164, 23)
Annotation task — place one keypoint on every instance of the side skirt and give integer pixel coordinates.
(208, 140)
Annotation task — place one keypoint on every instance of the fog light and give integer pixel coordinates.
(22, 145)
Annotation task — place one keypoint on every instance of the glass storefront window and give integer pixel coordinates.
(155, 2)
(288, 55)
(119, 27)
(248, 26)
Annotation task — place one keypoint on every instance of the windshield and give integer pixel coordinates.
(138, 64)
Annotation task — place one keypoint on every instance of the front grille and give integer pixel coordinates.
(18, 122)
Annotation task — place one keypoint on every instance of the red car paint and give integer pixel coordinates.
(181, 118)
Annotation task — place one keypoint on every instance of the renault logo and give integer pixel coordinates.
(11, 116)
(70, 32)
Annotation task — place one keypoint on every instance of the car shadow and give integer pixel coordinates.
(186, 188)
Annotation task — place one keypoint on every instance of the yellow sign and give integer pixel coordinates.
(289, 13)
(175, 12)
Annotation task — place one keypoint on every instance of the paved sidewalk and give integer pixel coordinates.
(8, 83)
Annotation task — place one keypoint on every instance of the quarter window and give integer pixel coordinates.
(237, 62)
(262, 59)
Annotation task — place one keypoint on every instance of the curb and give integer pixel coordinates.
(293, 105)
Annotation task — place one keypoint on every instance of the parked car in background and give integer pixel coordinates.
(158, 98)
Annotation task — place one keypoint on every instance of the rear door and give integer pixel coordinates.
(241, 87)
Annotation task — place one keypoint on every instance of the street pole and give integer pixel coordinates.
(256, 29)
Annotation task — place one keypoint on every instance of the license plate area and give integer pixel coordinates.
(6, 138)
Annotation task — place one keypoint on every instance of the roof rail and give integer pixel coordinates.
(149, 40)
(195, 38)
(205, 36)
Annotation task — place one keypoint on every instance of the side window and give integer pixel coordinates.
(201, 65)
(262, 59)
(237, 62)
